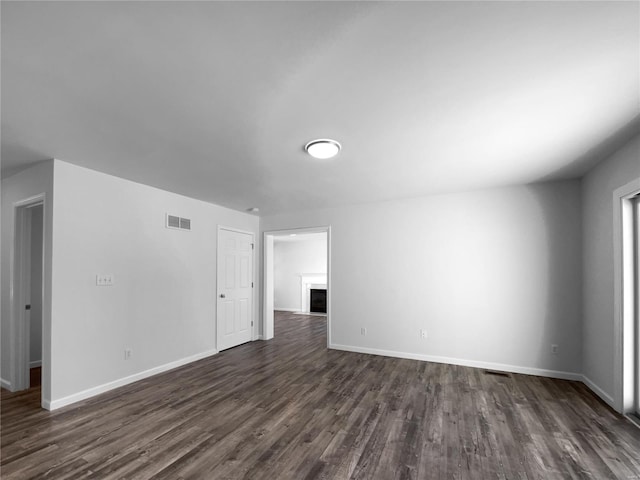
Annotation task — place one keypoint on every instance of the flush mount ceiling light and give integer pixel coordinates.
(323, 148)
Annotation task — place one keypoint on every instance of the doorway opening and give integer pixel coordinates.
(626, 232)
(27, 295)
(297, 275)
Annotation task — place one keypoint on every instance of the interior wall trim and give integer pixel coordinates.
(541, 372)
(105, 387)
(5, 384)
(606, 398)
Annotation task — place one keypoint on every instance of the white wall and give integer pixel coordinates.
(28, 183)
(597, 200)
(307, 254)
(163, 303)
(494, 276)
(35, 331)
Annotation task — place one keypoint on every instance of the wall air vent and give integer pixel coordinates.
(179, 223)
(497, 374)
(185, 224)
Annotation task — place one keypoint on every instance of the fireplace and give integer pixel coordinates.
(308, 282)
(317, 300)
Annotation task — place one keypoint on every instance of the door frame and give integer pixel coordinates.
(20, 288)
(253, 278)
(267, 284)
(636, 232)
(624, 304)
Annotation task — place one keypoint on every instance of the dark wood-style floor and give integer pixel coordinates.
(291, 409)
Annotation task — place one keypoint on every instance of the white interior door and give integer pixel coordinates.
(235, 288)
(22, 282)
(23, 297)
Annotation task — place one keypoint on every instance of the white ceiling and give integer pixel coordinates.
(215, 100)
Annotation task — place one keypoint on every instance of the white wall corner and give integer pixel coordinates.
(608, 399)
(5, 384)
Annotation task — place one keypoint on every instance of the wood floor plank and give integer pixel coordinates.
(289, 408)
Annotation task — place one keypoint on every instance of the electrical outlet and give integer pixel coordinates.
(423, 333)
(105, 280)
(363, 331)
(554, 349)
(127, 353)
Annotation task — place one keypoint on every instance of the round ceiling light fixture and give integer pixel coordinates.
(323, 148)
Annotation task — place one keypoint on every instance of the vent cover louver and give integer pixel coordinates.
(185, 224)
(497, 374)
(173, 221)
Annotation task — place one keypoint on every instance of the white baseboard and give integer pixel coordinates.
(91, 392)
(606, 398)
(35, 364)
(5, 384)
(297, 311)
(463, 362)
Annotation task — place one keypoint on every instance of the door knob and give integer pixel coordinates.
(222, 295)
